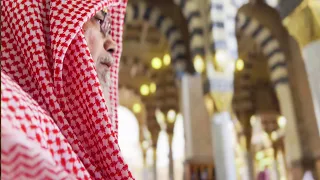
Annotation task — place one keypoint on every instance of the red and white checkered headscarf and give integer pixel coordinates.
(54, 121)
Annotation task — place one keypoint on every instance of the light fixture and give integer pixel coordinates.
(239, 65)
(274, 136)
(156, 63)
(160, 117)
(144, 90)
(153, 87)
(166, 59)
(282, 121)
(253, 120)
(221, 57)
(171, 115)
(136, 108)
(198, 64)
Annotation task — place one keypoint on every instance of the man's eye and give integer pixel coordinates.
(98, 20)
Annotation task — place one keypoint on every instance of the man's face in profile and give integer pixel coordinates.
(100, 43)
(101, 46)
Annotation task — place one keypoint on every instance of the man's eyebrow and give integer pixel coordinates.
(101, 14)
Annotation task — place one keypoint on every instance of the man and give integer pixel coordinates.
(101, 45)
(55, 122)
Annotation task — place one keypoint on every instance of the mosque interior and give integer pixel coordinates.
(221, 89)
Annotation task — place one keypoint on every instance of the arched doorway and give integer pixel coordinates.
(129, 141)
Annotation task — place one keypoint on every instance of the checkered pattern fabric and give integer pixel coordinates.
(55, 124)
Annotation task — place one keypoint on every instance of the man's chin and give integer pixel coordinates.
(102, 76)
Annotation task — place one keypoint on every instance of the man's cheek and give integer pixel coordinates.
(91, 39)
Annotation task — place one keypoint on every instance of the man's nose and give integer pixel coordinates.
(109, 45)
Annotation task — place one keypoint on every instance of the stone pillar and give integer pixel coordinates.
(154, 137)
(198, 140)
(198, 143)
(170, 120)
(250, 165)
(154, 168)
(146, 169)
(275, 168)
(171, 162)
(223, 146)
(145, 173)
(244, 118)
(222, 128)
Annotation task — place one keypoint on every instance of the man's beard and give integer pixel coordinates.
(106, 82)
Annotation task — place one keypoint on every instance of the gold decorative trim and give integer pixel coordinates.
(304, 22)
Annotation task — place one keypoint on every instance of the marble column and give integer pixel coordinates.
(154, 130)
(154, 168)
(223, 127)
(195, 118)
(250, 165)
(145, 171)
(170, 120)
(275, 171)
(250, 154)
(223, 146)
(171, 162)
(197, 129)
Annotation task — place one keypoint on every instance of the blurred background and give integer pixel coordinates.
(221, 89)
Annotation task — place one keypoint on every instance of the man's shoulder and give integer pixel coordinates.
(15, 99)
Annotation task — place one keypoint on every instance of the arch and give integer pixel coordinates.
(128, 97)
(191, 11)
(129, 141)
(277, 66)
(242, 92)
(222, 16)
(166, 26)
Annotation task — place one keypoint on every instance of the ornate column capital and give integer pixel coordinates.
(222, 101)
(220, 89)
(304, 22)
